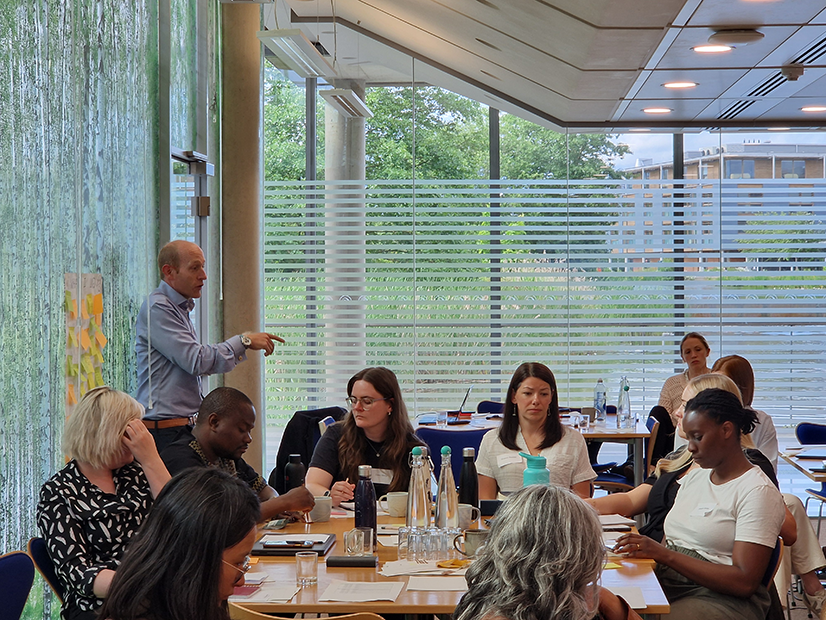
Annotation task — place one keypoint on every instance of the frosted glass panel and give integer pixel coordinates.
(78, 194)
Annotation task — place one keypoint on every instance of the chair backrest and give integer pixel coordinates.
(435, 438)
(774, 563)
(490, 406)
(43, 562)
(239, 612)
(17, 576)
(808, 433)
(300, 437)
(653, 426)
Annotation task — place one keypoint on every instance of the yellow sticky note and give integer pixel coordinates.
(71, 367)
(98, 356)
(67, 302)
(84, 339)
(90, 303)
(90, 381)
(83, 389)
(100, 339)
(98, 377)
(609, 565)
(71, 338)
(97, 304)
(86, 363)
(71, 399)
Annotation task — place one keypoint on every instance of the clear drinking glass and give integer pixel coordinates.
(306, 568)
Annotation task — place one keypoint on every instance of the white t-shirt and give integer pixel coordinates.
(765, 436)
(567, 460)
(709, 518)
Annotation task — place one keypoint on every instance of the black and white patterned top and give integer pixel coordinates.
(87, 530)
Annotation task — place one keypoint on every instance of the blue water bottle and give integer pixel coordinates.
(365, 500)
(536, 472)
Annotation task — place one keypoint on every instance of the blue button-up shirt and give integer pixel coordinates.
(170, 370)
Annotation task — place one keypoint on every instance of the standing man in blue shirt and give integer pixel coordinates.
(171, 361)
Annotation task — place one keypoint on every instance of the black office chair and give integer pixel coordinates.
(300, 437)
(43, 562)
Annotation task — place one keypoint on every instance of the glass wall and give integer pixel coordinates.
(578, 256)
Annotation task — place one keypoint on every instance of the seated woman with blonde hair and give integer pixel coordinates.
(90, 509)
(542, 561)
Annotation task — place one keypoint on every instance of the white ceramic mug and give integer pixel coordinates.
(468, 515)
(394, 503)
(321, 510)
(473, 541)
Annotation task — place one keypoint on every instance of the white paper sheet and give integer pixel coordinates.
(452, 584)
(632, 595)
(404, 567)
(269, 593)
(362, 591)
(319, 538)
(615, 520)
(253, 579)
(388, 541)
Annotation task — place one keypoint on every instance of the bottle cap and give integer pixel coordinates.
(445, 450)
(417, 451)
(468, 452)
(626, 388)
(365, 471)
(295, 458)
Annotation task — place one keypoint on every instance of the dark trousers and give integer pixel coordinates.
(165, 436)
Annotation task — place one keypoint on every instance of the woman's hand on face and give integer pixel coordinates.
(139, 441)
(637, 546)
(342, 491)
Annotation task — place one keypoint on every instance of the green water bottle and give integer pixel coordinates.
(536, 472)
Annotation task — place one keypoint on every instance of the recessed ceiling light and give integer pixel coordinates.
(735, 37)
(711, 49)
(657, 110)
(635, 129)
(680, 84)
(779, 128)
(813, 108)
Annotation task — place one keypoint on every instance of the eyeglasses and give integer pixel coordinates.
(244, 568)
(366, 402)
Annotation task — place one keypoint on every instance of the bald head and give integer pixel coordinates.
(182, 267)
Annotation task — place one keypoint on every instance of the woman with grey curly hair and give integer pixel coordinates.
(542, 560)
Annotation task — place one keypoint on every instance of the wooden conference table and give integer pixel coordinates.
(607, 431)
(281, 570)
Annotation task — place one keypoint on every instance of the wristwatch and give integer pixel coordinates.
(245, 340)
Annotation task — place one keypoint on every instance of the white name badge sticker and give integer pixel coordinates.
(508, 459)
(382, 476)
(703, 510)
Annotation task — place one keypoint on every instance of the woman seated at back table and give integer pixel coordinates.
(531, 424)
(191, 552)
(90, 509)
(724, 524)
(376, 431)
(541, 561)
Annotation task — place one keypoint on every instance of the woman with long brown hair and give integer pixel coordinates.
(376, 431)
(531, 425)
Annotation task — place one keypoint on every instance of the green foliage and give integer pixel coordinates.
(284, 131)
(529, 151)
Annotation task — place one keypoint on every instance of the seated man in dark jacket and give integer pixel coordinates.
(220, 438)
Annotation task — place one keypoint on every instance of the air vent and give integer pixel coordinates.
(815, 51)
(768, 85)
(735, 109)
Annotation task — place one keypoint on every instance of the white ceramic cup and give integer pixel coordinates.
(321, 510)
(468, 515)
(394, 503)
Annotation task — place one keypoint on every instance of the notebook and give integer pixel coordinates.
(290, 544)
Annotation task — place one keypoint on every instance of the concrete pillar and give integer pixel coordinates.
(241, 203)
(344, 237)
